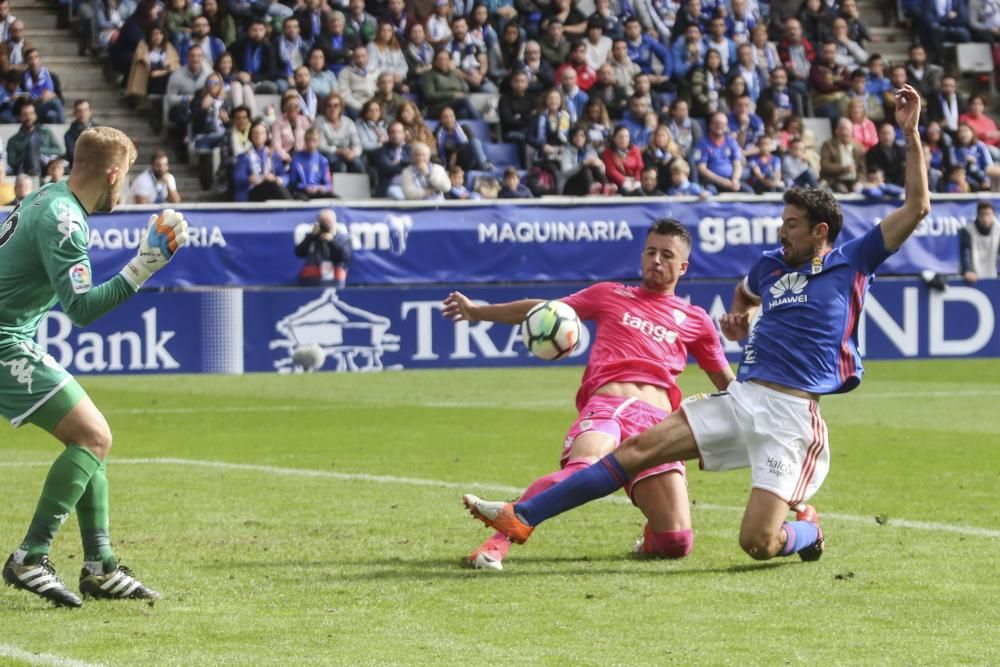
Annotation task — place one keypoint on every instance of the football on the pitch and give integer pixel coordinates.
(551, 330)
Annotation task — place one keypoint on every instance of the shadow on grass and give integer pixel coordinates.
(373, 569)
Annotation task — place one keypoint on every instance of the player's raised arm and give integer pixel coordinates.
(458, 308)
(898, 225)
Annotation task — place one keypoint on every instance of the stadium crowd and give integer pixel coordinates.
(459, 99)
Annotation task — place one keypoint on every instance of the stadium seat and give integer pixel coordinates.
(974, 58)
(352, 186)
(432, 125)
(486, 104)
(472, 175)
(820, 127)
(503, 155)
(479, 128)
(263, 101)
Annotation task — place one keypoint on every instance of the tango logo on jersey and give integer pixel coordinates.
(789, 289)
(657, 332)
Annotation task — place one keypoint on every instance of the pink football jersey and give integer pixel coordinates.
(643, 336)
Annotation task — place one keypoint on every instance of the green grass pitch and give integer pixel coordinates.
(333, 531)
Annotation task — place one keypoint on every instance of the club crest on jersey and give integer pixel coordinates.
(657, 332)
(789, 289)
(79, 278)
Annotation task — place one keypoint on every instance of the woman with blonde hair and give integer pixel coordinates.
(385, 55)
(865, 132)
(288, 134)
(410, 118)
(153, 61)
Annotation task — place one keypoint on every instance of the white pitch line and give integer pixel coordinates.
(542, 404)
(45, 659)
(501, 489)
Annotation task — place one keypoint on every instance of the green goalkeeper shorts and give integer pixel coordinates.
(34, 387)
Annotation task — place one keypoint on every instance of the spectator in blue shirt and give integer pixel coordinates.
(973, 154)
(310, 172)
(765, 168)
(635, 118)
(10, 96)
(643, 50)
(745, 126)
(39, 86)
(688, 52)
(719, 158)
(260, 173)
(680, 183)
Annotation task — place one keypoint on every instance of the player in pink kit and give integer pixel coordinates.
(644, 336)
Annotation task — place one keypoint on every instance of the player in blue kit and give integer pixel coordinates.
(803, 344)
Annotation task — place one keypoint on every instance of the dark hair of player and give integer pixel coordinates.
(670, 227)
(820, 206)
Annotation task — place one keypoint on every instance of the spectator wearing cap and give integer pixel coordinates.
(644, 51)
(256, 63)
(40, 87)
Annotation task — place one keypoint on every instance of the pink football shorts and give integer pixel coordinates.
(620, 418)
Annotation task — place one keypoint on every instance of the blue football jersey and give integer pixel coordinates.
(806, 336)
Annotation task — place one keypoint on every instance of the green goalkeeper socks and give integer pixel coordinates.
(92, 515)
(66, 483)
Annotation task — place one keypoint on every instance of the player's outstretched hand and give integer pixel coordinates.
(457, 307)
(907, 108)
(735, 326)
(166, 233)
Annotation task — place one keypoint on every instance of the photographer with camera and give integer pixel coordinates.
(327, 252)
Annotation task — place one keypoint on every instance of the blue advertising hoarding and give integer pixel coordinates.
(252, 247)
(367, 330)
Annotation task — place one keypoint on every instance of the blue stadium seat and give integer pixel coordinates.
(479, 128)
(503, 155)
(432, 125)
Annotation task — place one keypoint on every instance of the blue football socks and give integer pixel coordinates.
(596, 481)
(798, 536)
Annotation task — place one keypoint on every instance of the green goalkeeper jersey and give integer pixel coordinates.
(44, 261)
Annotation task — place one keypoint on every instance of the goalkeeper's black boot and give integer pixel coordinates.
(815, 550)
(119, 584)
(41, 579)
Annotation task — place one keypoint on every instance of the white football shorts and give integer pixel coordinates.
(781, 438)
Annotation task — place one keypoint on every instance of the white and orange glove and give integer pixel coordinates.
(166, 233)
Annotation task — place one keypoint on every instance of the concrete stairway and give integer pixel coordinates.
(85, 78)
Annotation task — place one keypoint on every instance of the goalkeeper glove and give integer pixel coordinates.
(166, 233)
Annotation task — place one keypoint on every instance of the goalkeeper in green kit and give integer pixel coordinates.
(43, 260)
